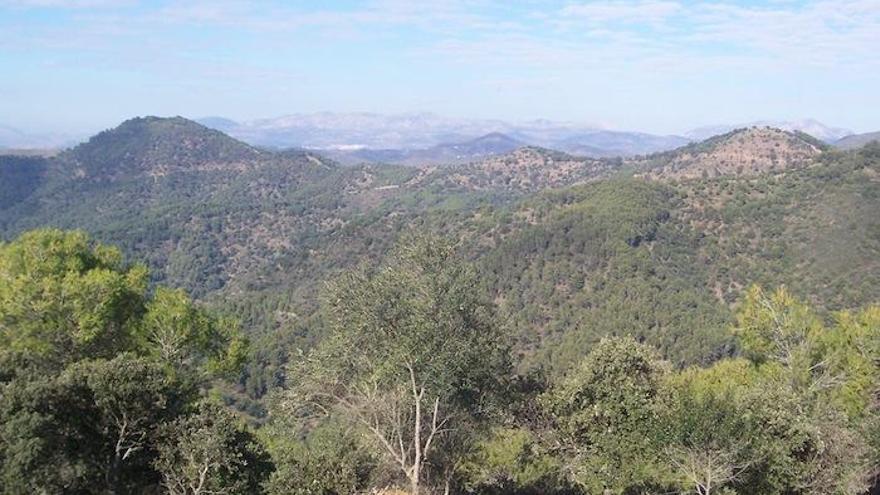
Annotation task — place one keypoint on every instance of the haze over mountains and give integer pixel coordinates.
(857, 140)
(429, 138)
(13, 138)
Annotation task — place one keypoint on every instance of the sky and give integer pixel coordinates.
(660, 66)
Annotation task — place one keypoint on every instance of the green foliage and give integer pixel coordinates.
(775, 327)
(91, 368)
(606, 414)
(19, 177)
(183, 336)
(512, 461)
(707, 442)
(142, 142)
(84, 341)
(798, 446)
(90, 429)
(63, 298)
(210, 451)
(413, 360)
(606, 259)
(256, 233)
(418, 310)
(330, 460)
(851, 347)
(834, 363)
(798, 406)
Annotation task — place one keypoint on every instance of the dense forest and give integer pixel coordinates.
(109, 387)
(183, 313)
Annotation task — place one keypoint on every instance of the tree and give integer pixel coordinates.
(606, 415)
(852, 348)
(90, 367)
(413, 358)
(329, 460)
(803, 405)
(799, 446)
(64, 298)
(131, 396)
(709, 445)
(90, 428)
(775, 326)
(209, 452)
(188, 339)
(512, 461)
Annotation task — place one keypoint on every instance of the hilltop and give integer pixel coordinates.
(818, 130)
(742, 152)
(155, 146)
(524, 169)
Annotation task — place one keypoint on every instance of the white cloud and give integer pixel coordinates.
(662, 34)
(599, 36)
(625, 12)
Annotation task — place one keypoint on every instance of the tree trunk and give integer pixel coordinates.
(417, 439)
(417, 455)
(414, 486)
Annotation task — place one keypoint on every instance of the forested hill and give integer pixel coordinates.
(156, 147)
(570, 249)
(741, 152)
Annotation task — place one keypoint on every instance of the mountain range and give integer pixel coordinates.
(429, 139)
(857, 140)
(425, 138)
(570, 248)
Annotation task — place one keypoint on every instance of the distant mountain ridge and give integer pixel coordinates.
(618, 143)
(442, 154)
(395, 137)
(13, 138)
(854, 141)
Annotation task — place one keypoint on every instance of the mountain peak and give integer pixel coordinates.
(741, 152)
(493, 143)
(154, 146)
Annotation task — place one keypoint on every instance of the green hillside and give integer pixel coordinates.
(21, 177)
(533, 323)
(570, 249)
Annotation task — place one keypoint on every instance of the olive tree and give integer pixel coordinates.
(413, 358)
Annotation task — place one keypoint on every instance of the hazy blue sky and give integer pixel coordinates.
(654, 65)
